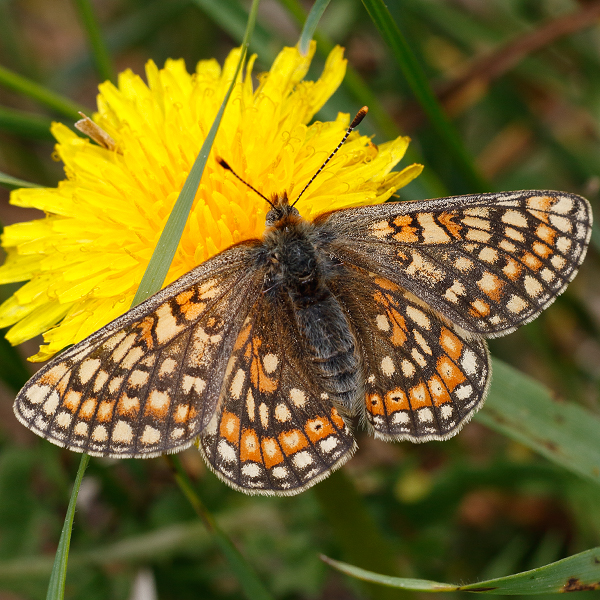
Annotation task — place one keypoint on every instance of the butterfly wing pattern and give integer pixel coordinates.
(275, 430)
(424, 377)
(222, 355)
(148, 382)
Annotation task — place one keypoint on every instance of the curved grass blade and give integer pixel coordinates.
(152, 280)
(100, 53)
(12, 183)
(56, 587)
(580, 572)
(249, 581)
(38, 92)
(166, 247)
(523, 409)
(25, 124)
(310, 25)
(419, 84)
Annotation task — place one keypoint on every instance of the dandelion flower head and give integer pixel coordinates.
(84, 260)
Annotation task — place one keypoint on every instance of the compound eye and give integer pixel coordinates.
(271, 218)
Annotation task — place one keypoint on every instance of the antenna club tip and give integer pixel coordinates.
(360, 115)
(223, 163)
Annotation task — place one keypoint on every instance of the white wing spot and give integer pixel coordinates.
(563, 244)
(513, 217)
(237, 384)
(122, 432)
(88, 368)
(425, 415)
(469, 362)
(421, 341)
(133, 356)
(263, 413)
(51, 404)
(463, 392)
(516, 304)
(251, 470)
(280, 472)
(282, 413)
(99, 434)
(298, 397)
(196, 383)
(81, 428)
(419, 317)
(139, 378)
(446, 411)
(250, 404)
(400, 417)
(329, 443)
(168, 366)
(408, 369)
(270, 362)
(302, 460)
(383, 323)
(387, 366)
(150, 436)
(64, 419)
(37, 393)
(532, 286)
(418, 358)
(226, 452)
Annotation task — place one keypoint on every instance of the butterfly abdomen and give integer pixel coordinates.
(298, 269)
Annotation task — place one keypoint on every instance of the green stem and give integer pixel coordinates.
(417, 80)
(24, 86)
(100, 53)
(56, 587)
(252, 586)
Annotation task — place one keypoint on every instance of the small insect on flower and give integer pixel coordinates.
(265, 351)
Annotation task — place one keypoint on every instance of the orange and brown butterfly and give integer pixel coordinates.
(265, 352)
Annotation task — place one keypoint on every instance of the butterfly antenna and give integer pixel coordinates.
(225, 165)
(360, 115)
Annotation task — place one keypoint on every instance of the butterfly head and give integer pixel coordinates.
(281, 211)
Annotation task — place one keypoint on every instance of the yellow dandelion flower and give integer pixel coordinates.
(85, 260)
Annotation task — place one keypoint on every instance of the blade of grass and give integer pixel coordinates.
(523, 409)
(38, 92)
(251, 584)
(419, 84)
(310, 25)
(56, 587)
(152, 280)
(579, 572)
(355, 530)
(25, 124)
(360, 91)
(232, 17)
(166, 247)
(13, 183)
(99, 50)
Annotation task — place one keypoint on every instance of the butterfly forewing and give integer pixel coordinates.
(275, 431)
(424, 378)
(148, 382)
(488, 262)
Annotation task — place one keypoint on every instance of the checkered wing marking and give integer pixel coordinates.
(424, 378)
(275, 432)
(488, 262)
(148, 382)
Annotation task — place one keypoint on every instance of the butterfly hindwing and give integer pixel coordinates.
(275, 432)
(148, 382)
(488, 262)
(424, 378)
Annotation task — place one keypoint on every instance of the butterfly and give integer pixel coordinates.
(263, 354)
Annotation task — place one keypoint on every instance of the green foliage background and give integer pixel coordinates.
(520, 80)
